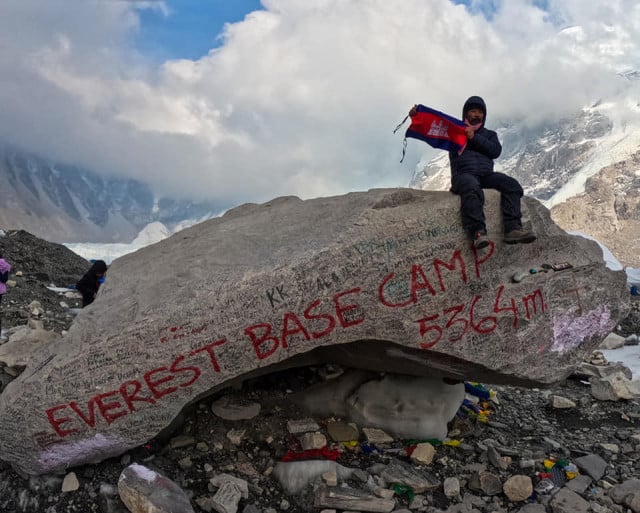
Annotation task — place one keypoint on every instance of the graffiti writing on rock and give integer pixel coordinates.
(155, 384)
(315, 322)
(417, 284)
(276, 295)
(412, 285)
(455, 322)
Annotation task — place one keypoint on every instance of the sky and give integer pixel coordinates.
(242, 101)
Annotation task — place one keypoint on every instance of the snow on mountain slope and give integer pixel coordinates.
(63, 203)
(553, 161)
(586, 169)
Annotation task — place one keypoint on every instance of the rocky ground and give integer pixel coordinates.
(517, 455)
(36, 265)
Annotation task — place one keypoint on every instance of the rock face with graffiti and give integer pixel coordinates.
(382, 280)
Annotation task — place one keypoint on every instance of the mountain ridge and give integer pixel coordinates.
(65, 203)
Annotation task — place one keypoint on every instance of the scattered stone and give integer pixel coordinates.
(619, 492)
(423, 453)
(143, 490)
(230, 408)
(330, 478)
(592, 465)
(612, 448)
(351, 499)
(587, 370)
(532, 508)
(342, 431)
(418, 480)
(485, 482)
(612, 341)
(451, 487)
(310, 441)
(185, 463)
(567, 501)
(518, 488)
(70, 482)
(496, 460)
(227, 498)
(235, 436)
(376, 436)
(181, 441)
(559, 402)
(579, 484)
(614, 387)
(296, 427)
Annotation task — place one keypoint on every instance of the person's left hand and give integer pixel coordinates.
(413, 111)
(470, 132)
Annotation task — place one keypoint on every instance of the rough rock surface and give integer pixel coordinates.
(612, 197)
(293, 282)
(39, 264)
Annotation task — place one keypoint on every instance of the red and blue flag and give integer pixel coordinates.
(437, 129)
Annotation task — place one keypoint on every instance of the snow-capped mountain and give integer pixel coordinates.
(63, 203)
(546, 159)
(585, 168)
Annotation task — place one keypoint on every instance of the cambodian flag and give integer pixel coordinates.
(437, 129)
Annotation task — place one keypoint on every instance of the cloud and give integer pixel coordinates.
(302, 97)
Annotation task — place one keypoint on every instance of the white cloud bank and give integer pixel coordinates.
(302, 97)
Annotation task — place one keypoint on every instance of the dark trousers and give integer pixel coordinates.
(87, 298)
(469, 188)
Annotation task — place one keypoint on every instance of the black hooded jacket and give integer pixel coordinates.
(90, 283)
(477, 158)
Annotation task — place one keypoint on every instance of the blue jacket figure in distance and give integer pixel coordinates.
(90, 283)
(472, 171)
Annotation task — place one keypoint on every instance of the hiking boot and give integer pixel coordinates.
(480, 240)
(519, 236)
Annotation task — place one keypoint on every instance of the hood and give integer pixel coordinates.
(475, 101)
(99, 266)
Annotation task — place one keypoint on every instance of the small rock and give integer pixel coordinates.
(612, 341)
(423, 453)
(138, 488)
(518, 488)
(235, 436)
(302, 426)
(451, 487)
(485, 482)
(559, 402)
(567, 501)
(342, 432)
(70, 482)
(310, 441)
(181, 441)
(592, 465)
(331, 478)
(229, 408)
(376, 436)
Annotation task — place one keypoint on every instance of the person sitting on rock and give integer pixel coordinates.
(5, 267)
(90, 283)
(472, 171)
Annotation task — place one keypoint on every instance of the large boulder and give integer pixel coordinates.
(383, 280)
